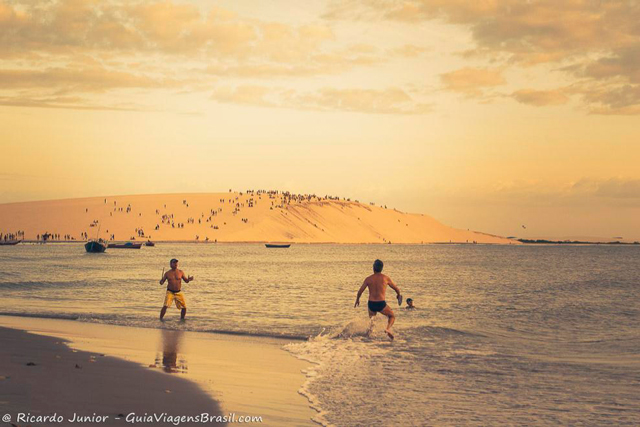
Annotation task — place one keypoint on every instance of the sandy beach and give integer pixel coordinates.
(73, 369)
(397, 213)
(229, 217)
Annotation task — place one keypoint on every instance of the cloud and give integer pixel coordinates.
(386, 101)
(71, 79)
(70, 27)
(615, 191)
(152, 26)
(77, 47)
(472, 81)
(407, 51)
(244, 95)
(315, 64)
(591, 40)
(624, 63)
(76, 86)
(69, 103)
(617, 188)
(522, 29)
(540, 98)
(66, 47)
(621, 100)
(527, 198)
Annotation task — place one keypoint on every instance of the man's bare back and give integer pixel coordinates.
(377, 284)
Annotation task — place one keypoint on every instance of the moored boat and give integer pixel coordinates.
(128, 245)
(149, 243)
(274, 245)
(95, 246)
(9, 242)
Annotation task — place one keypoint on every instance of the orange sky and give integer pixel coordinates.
(487, 115)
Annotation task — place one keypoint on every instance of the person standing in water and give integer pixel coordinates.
(174, 289)
(377, 284)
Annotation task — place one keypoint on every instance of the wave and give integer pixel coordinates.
(29, 285)
(59, 316)
(123, 320)
(333, 352)
(441, 331)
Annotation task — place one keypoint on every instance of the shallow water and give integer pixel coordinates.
(519, 335)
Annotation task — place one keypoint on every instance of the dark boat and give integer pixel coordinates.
(9, 242)
(95, 246)
(149, 243)
(271, 245)
(128, 245)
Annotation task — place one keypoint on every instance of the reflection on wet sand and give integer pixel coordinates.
(168, 359)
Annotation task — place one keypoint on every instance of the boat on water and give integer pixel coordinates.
(149, 243)
(9, 242)
(95, 246)
(128, 245)
(274, 245)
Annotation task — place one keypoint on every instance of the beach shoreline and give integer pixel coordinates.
(81, 368)
(261, 242)
(519, 242)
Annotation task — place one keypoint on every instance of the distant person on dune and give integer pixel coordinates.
(377, 284)
(174, 289)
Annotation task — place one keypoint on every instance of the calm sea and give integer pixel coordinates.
(535, 335)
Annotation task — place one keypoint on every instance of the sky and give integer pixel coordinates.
(517, 118)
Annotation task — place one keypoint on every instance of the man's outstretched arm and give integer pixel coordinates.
(164, 279)
(186, 278)
(360, 291)
(397, 289)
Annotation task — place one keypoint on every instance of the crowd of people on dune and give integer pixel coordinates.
(242, 200)
(9, 237)
(46, 236)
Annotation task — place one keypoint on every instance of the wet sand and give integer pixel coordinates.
(125, 370)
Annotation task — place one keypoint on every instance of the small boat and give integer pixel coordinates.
(128, 245)
(9, 242)
(95, 246)
(272, 245)
(149, 243)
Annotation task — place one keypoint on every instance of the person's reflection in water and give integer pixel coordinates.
(170, 349)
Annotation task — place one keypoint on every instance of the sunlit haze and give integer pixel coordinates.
(510, 117)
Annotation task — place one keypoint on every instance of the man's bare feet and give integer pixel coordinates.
(390, 334)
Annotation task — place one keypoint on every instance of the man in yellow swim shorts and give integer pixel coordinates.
(174, 289)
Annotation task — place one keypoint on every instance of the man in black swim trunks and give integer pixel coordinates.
(377, 284)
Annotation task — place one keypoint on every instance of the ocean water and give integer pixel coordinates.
(527, 335)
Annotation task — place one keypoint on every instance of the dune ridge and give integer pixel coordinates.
(249, 216)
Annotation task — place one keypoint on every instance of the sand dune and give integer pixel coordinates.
(230, 217)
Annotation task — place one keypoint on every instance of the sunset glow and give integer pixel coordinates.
(485, 115)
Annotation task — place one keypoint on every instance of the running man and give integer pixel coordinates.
(377, 284)
(174, 289)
